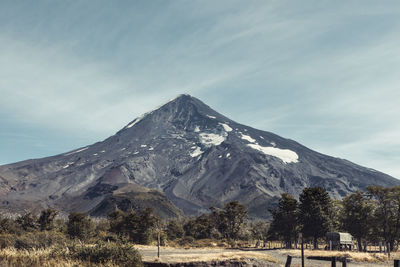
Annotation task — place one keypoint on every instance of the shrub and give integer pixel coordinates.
(79, 226)
(47, 239)
(39, 240)
(185, 241)
(6, 241)
(174, 230)
(9, 226)
(46, 219)
(123, 254)
(28, 222)
(137, 225)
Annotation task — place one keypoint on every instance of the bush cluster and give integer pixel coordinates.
(122, 254)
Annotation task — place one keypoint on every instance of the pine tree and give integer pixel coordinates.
(232, 219)
(355, 216)
(284, 219)
(314, 213)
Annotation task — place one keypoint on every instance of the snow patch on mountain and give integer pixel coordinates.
(211, 117)
(76, 151)
(196, 129)
(196, 152)
(286, 155)
(227, 128)
(209, 139)
(138, 119)
(247, 138)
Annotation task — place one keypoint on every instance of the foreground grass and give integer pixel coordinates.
(100, 254)
(353, 256)
(41, 257)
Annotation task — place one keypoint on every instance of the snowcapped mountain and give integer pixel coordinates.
(183, 156)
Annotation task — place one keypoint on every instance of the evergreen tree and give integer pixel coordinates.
(200, 227)
(147, 222)
(284, 219)
(314, 213)
(174, 230)
(137, 226)
(232, 219)
(259, 230)
(386, 223)
(356, 215)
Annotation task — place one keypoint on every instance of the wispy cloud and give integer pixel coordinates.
(319, 72)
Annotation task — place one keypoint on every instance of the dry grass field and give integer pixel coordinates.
(38, 258)
(72, 255)
(170, 254)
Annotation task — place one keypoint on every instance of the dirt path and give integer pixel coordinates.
(296, 261)
(173, 255)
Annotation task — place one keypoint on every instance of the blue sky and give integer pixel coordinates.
(324, 73)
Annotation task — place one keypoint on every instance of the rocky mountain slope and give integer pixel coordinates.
(182, 155)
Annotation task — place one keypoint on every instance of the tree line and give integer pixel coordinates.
(370, 216)
(373, 215)
(134, 226)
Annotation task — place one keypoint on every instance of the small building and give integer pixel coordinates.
(339, 241)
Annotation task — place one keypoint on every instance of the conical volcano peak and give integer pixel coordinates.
(197, 157)
(186, 102)
(182, 108)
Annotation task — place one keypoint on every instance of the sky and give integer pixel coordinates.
(323, 73)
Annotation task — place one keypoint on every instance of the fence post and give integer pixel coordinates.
(333, 262)
(380, 246)
(158, 245)
(288, 261)
(344, 262)
(396, 263)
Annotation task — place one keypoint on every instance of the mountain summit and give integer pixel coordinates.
(182, 156)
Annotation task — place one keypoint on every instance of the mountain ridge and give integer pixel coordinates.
(193, 155)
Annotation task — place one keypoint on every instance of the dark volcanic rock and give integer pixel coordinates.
(197, 157)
